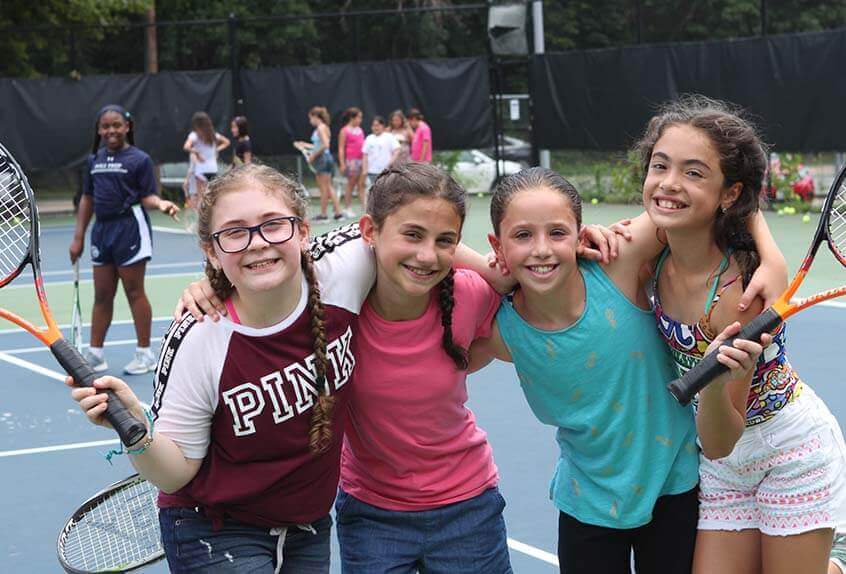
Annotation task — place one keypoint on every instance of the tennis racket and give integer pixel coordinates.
(832, 230)
(116, 530)
(76, 315)
(19, 247)
(307, 156)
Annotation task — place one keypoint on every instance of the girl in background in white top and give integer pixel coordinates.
(203, 145)
(399, 127)
(380, 150)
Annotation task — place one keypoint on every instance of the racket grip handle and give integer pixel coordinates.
(129, 429)
(708, 369)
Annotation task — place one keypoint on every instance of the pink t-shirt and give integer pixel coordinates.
(421, 134)
(411, 443)
(354, 142)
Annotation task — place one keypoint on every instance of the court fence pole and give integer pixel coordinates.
(234, 69)
(537, 28)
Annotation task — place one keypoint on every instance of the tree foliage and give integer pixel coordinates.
(53, 37)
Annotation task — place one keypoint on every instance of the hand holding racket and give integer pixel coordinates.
(832, 230)
(19, 247)
(306, 154)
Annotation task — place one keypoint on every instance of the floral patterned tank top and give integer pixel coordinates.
(774, 384)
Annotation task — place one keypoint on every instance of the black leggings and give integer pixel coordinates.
(663, 546)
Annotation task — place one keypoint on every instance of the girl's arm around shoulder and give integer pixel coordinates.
(487, 267)
(643, 247)
(474, 295)
(770, 279)
(345, 266)
(484, 350)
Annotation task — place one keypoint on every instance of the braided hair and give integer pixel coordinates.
(398, 186)
(320, 431)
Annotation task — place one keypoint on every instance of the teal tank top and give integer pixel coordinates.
(623, 440)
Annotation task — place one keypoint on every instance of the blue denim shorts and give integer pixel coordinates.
(324, 163)
(466, 537)
(191, 545)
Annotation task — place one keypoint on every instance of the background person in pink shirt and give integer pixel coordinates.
(350, 143)
(421, 144)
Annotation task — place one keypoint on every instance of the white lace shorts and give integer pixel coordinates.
(785, 476)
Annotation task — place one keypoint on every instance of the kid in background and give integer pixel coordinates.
(203, 145)
(119, 184)
(381, 149)
(243, 144)
(350, 142)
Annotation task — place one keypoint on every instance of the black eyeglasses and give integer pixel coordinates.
(274, 231)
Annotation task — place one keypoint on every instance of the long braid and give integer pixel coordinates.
(219, 282)
(446, 303)
(320, 432)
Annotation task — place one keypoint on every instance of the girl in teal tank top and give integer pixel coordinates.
(590, 362)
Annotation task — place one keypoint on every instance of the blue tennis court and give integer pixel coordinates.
(51, 458)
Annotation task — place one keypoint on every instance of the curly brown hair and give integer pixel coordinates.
(743, 159)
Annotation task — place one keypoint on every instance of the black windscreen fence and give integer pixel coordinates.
(453, 95)
(793, 86)
(49, 123)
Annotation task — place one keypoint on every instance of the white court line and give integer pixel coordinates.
(174, 230)
(196, 263)
(17, 361)
(28, 284)
(17, 330)
(40, 348)
(524, 548)
(57, 448)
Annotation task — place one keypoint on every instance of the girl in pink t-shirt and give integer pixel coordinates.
(350, 144)
(418, 485)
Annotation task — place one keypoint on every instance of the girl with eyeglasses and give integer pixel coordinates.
(249, 411)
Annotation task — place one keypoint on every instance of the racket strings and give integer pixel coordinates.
(118, 532)
(15, 224)
(837, 222)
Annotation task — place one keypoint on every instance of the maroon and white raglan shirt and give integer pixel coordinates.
(241, 398)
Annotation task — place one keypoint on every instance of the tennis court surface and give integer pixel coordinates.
(51, 458)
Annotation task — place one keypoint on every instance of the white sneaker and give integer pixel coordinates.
(142, 363)
(97, 364)
(349, 213)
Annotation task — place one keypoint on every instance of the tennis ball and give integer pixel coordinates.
(790, 210)
(806, 218)
(780, 211)
(594, 201)
(480, 194)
